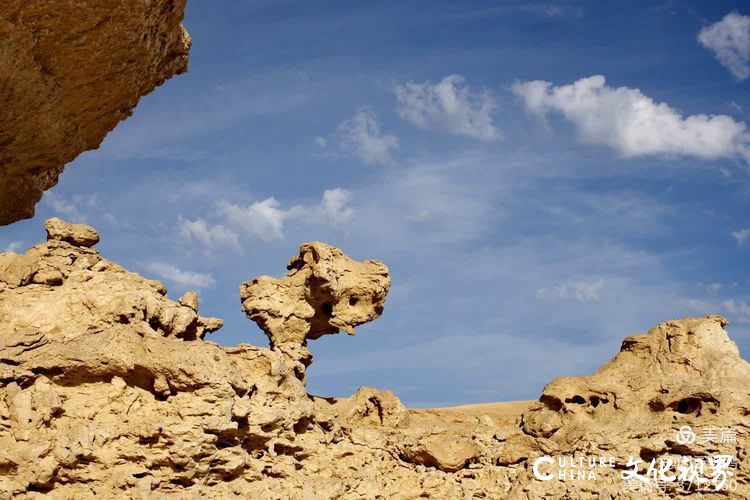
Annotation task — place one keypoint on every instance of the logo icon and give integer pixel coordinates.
(685, 435)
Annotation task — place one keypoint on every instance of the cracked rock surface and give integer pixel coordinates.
(70, 71)
(108, 389)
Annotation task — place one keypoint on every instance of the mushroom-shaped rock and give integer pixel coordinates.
(324, 292)
(79, 235)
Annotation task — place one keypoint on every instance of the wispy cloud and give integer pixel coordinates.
(170, 129)
(115, 221)
(729, 40)
(739, 310)
(361, 136)
(741, 236)
(552, 10)
(81, 208)
(634, 124)
(262, 221)
(572, 290)
(179, 277)
(506, 365)
(697, 306)
(71, 209)
(712, 288)
(429, 203)
(208, 236)
(448, 105)
(334, 206)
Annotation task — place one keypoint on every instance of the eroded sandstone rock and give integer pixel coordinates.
(70, 71)
(108, 390)
(443, 451)
(79, 235)
(681, 373)
(324, 292)
(71, 290)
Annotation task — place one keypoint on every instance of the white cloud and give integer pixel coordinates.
(361, 136)
(741, 236)
(209, 237)
(13, 246)
(632, 123)
(449, 105)
(262, 221)
(334, 206)
(68, 209)
(179, 277)
(578, 290)
(729, 40)
(320, 141)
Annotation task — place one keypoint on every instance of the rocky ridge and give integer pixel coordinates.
(71, 71)
(109, 389)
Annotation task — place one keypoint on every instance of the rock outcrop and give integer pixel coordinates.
(684, 374)
(71, 71)
(79, 235)
(108, 389)
(324, 292)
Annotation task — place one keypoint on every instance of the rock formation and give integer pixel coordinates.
(108, 389)
(682, 373)
(324, 292)
(69, 78)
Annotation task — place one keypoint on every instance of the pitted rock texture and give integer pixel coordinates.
(324, 292)
(108, 390)
(70, 71)
(70, 290)
(681, 373)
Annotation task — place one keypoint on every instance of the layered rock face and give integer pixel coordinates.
(70, 72)
(108, 389)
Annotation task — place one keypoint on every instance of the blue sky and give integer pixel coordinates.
(528, 226)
